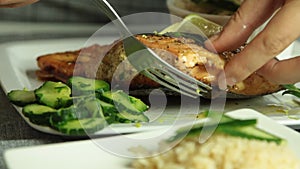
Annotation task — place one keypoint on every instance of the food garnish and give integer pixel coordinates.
(81, 106)
(230, 126)
(291, 89)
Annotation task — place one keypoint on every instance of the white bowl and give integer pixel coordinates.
(182, 12)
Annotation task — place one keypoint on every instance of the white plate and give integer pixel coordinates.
(86, 154)
(17, 71)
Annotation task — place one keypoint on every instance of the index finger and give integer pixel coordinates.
(250, 15)
(15, 3)
(277, 35)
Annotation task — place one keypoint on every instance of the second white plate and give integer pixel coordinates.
(87, 154)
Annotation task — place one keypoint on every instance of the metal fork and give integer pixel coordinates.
(148, 63)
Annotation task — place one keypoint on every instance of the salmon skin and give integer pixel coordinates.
(183, 51)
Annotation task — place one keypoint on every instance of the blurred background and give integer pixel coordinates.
(77, 10)
(65, 18)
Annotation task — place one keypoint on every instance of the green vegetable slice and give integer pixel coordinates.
(62, 116)
(52, 105)
(291, 89)
(86, 86)
(86, 108)
(132, 117)
(108, 108)
(124, 102)
(250, 132)
(54, 94)
(82, 126)
(233, 127)
(21, 97)
(38, 114)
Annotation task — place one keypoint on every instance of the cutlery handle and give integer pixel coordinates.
(109, 11)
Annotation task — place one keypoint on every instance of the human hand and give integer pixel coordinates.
(15, 3)
(259, 55)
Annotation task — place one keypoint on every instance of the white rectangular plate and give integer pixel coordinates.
(87, 154)
(17, 71)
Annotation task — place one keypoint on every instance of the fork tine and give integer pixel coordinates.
(147, 59)
(182, 89)
(178, 79)
(186, 77)
(191, 88)
(175, 71)
(141, 61)
(192, 94)
(163, 65)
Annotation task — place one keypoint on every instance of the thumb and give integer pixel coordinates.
(281, 72)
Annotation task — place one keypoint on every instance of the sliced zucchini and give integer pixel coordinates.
(21, 97)
(85, 86)
(138, 104)
(54, 94)
(113, 116)
(53, 105)
(108, 108)
(63, 115)
(126, 116)
(196, 129)
(82, 126)
(233, 127)
(128, 109)
(39, 114)
(89, 108)
(119, 118)
(250, 132)
(110, 112)
(124, 102)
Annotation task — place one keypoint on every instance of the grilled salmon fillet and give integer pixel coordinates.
(109, 63)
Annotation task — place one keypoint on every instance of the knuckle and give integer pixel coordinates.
(240, 70)
(273, 45)
(274, 73)
(237, 17)
(246, 70)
